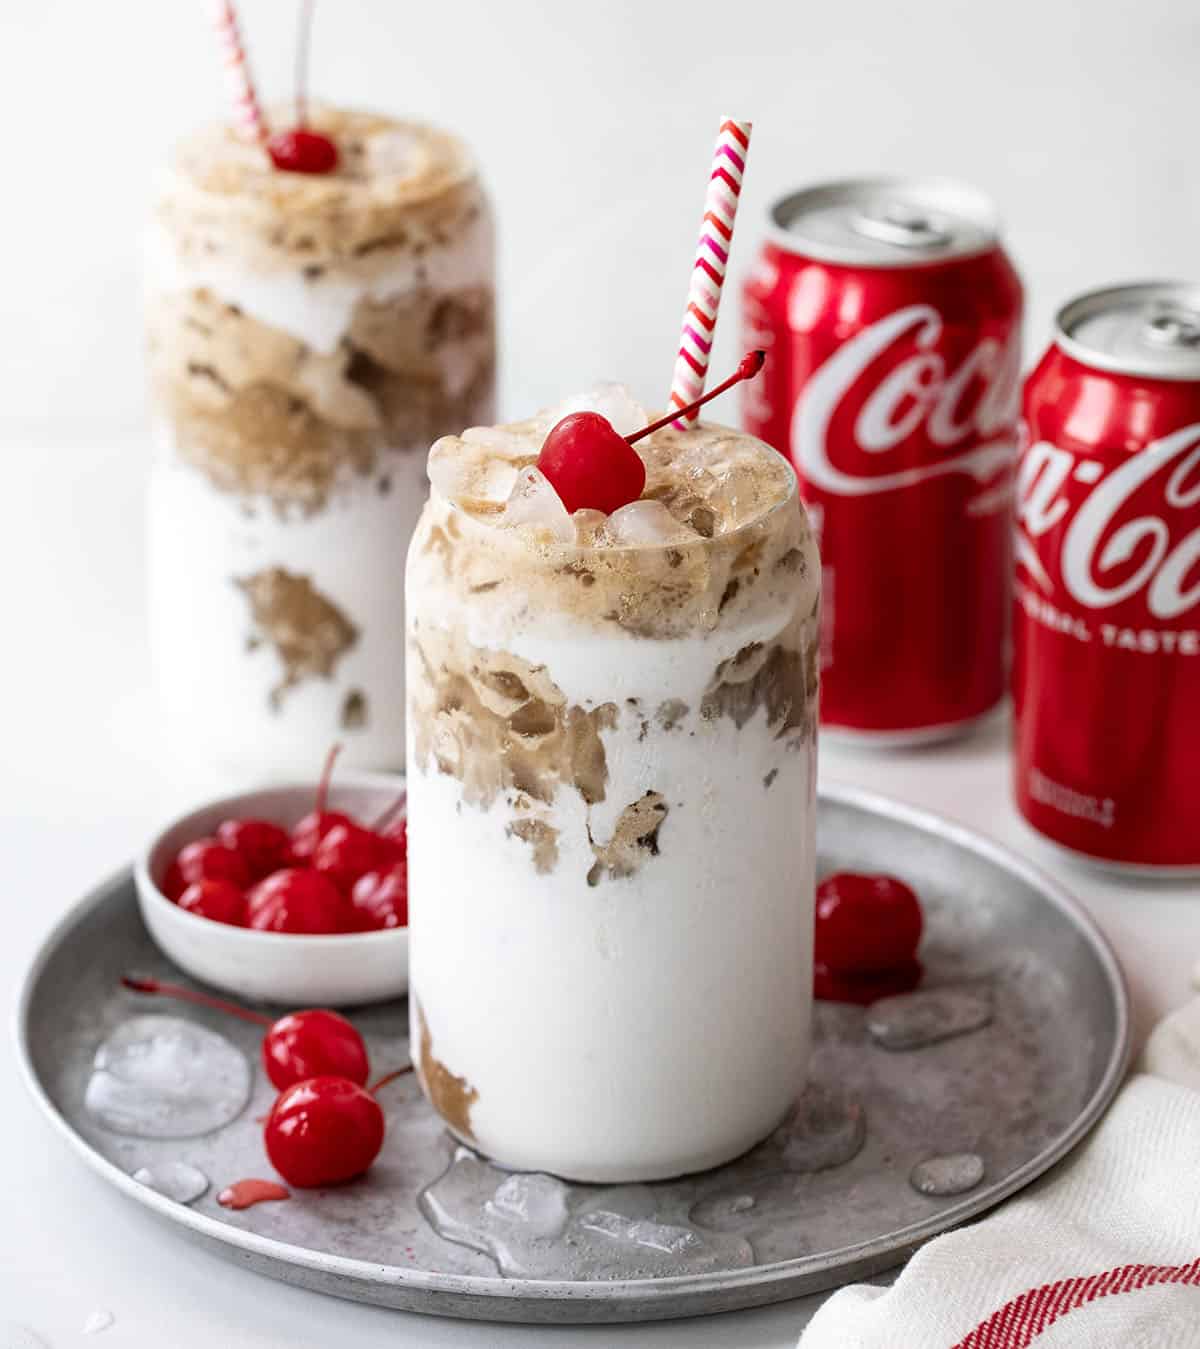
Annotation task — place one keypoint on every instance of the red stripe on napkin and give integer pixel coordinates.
(1020, 1321)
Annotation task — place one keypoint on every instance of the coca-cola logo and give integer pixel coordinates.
(973, 407)
(1110, 554)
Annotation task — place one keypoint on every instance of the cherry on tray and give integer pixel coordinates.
(323, 1131)
(868, 928)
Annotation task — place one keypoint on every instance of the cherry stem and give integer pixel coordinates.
(389, 1077)
(137, 984)
(303, 41)
(326, 774)
(390, 813)
(749, 366)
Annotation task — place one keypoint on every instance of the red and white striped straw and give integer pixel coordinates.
(247, 115)
(708, 271)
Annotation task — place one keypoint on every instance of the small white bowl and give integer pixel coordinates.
(292, 968)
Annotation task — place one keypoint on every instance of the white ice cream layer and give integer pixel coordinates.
(215, 690)
(318, 312)
(646, 1025)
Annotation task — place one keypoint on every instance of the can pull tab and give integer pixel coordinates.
(897, 222)
(1171, 325)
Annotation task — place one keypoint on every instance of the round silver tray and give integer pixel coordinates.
(1021, 1092)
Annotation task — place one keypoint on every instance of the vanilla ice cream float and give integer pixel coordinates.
(611, 750)
(308, 337)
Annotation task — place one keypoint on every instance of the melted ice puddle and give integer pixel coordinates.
(535, 1226)
(825, 1130)
(956, 1173)
(914, 1020)
(163, 1077)
(177, 1180)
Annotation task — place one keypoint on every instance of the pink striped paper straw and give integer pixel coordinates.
(247, 115)
(708, 271)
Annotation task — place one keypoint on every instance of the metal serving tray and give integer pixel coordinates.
(1020, 1092)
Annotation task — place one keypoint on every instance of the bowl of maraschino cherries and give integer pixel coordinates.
(291, 894)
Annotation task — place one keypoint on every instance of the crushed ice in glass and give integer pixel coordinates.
(914, 1020)
(394, 152)
(646, 522)
(459, 479)
(609, 400)
(176, 1180)
(955, 1173)
(534, 502)
(496, 440)
(535, 1226)
(163, 1077)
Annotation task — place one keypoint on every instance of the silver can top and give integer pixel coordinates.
(1151, 328)
(885, 222)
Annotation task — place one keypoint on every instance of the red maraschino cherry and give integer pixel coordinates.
(379, 899)
(868, 929)
(299, 150)
(591, 467)
(866, 924)
(297, 901)
(263, 846)
(205, 859)
(345, 853)
(314, 1043)
(323, 1131)
(218, 901)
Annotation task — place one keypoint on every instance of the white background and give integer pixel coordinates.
(594, 124)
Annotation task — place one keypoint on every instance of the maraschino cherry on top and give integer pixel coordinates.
(592, 467)
(299, 149)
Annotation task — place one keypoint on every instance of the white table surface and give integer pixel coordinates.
(81, 782)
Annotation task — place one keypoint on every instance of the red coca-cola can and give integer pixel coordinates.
(1106, 670)
(891, 319)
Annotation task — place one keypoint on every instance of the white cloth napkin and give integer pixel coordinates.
(1103, 1253)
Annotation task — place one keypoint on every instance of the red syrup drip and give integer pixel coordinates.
(246, 1193)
